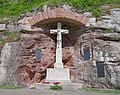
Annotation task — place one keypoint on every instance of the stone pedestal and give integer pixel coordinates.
(58, 75)
(65, 86)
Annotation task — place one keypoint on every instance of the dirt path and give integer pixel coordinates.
(44, 92)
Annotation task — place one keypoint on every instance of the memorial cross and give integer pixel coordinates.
(59, 32)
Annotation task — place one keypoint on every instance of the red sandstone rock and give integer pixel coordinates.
(45, 15)
(39, 16)
(49, 12)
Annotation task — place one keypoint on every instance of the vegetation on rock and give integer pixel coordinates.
(9, 37)
(16, 7)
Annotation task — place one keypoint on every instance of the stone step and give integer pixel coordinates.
(65, 86)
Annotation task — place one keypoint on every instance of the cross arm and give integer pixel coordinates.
(63, 31)
(53, 31)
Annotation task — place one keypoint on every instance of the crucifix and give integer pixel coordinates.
(59, 32)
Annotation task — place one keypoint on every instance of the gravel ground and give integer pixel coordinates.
(27, 91)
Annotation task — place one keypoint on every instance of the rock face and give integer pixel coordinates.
(110, 21)
(111, 59)
(10, 61)
(106, 52)
(30, 69)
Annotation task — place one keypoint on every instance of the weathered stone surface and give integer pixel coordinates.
(91, 22)
(35, 9)
(44, 8)
(67, 7)
(110, 21)
(115, 12)
(24, 21)
(22, 16)
(28, 28)
(108, 36)
(11, 28)
(10, 61)
(88, 14)
(30, 14)
(2, 35)
(2, 27)
(110, 55)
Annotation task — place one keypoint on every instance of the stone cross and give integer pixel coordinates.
(59, 32)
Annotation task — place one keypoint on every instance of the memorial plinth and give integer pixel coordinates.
(58, 73)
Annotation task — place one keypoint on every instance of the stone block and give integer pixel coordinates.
(53, 13)
(35, 20)
(45, 15)
(31, 21)
(30, 14)
(72, 15)
(2, 27)
(49, 12)
(67, 7)
(39, 16)
(67, 14)
(40, 86)
(72, 86)
(58, 12)
(58, 75)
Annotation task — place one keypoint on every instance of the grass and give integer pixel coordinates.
(12, 8)
(112, 91)
(9, 87)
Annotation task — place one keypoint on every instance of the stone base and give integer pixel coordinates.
(65, 86)
(58, 75)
